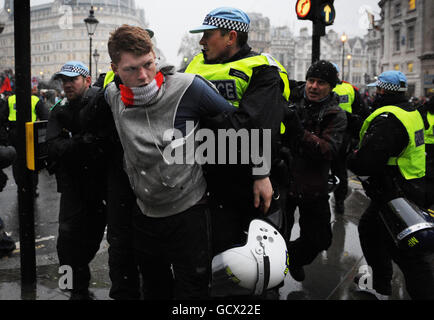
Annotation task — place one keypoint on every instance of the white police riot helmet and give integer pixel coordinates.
(261, 264)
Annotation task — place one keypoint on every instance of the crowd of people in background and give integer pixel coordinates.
(52, 95)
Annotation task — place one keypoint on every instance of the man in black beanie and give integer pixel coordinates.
(315, 125)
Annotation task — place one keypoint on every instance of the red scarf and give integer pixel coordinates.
(141, 95)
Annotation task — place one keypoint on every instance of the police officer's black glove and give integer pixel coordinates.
(293, 127)
(3, 180)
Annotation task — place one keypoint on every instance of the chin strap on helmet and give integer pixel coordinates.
(263, 263)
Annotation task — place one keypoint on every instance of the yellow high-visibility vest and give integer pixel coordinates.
(233, 78)
(109, 77)
(412, 160)
(429, 133)
(12, 101)
(346, 94)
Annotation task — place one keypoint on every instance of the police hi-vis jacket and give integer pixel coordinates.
(411, 162)
(233, 78)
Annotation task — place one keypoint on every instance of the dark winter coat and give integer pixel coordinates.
(74, 155)
(311, 154)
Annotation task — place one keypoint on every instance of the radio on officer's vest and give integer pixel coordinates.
(36, 146)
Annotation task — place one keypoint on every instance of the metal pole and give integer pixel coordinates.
(90, 56)
(343, 61)
(24, 176)
(318, 32)
(315, 48)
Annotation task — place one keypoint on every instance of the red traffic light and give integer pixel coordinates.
(303, 8)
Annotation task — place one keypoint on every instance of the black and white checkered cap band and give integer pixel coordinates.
(75, 69)
(390, 86)
(226, 24)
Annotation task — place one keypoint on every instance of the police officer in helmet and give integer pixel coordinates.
(392, 153)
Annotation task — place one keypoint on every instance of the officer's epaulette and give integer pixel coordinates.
(61, 102)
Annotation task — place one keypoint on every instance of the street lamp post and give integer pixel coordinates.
(96, 58)
(349, 67)
(343, 39)
(91, 24)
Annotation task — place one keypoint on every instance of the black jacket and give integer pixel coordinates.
(262, 107)
(73, 154)
(324, 125)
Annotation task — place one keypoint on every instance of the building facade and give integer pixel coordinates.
(282, 48)
(259, 32)
(407, 38)
(351, 56)
(374, 51)
(59, 34)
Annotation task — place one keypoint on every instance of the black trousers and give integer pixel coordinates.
(82, 220)
(379, 250)
(315, 229)
(123, 268)
(174, 254)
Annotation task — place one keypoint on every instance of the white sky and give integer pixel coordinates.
(171, 19)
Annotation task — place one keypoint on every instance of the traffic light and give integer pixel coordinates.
(305, 9)
(321, 11)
